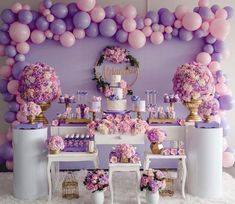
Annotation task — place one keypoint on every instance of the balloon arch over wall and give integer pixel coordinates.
(83, 18)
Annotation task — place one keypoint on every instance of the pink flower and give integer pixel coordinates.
(55, 123)
(113, 160)
(174, 151)
(181, 152)
(123, 84)
(55, 143)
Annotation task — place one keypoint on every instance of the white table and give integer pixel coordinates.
(54, 159)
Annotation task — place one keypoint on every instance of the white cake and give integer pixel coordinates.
(117, 105)
(118, 92)
(115, 80)
(95, 106)
(139, 106)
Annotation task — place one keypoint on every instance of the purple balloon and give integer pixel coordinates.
(4, 27)
(167, 18)
(73, 9)
(199, 33)
(108, 27)
(121, 36)
(139, 22)
(167, 36)
(20, 58)
(2, 161)
(81, 20)
(226, 102)
(219, 46)
(205, 13)
(58, 27)
(119, 18)
(59, 10)
(153, 16)
(8, 16)
(109, 12)
(216, 57)
(92, 30)
(185, 35)
(175, 32)
(219, 73)
(196, 9)
(208, 48)
(210, 39)
(6, 151)
(18, 68)
(162, 10)
(4, 38)
(14, 106)
(25, 16)
(47, 4)
(8, 97)
(214, 8)
(3, 85)
(10, 116)
(69, 24)
(230, 11)
(42, 24)
(10, 51)
(35, 15)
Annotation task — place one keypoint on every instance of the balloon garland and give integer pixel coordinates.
(68, 23)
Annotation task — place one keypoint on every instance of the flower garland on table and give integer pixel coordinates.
(115, 55)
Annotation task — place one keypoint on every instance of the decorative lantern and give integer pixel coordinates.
(169, 189)
(70, 187)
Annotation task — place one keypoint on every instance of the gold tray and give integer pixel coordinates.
(161, 121)
(77, 121)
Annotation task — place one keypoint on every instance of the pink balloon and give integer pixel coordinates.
(19, 100)
(221, 13)
(49, 34)
(162, 28)
(147, 31)
(16, 7)
(9, 134)
(129, 11)
(117, 8)
(129, 25)
(21, 118)
(148, 22)
(2, 52)
(137, 39)
(214, 66)
(203, 58)
(86, 5)
(67, 39)
(15, 123)
(38, 37)
(221, 88)
(79, 33)
(205, 26)
(13, 86)
(56, 37)
(10, 61)
(46, 12)
(155, 27)
(178, 24)
(27, 7)
(180, 11)
(5, 71)
(192, 21)
(9, 165)
(19, 32)
(168, 29)
(157, 38)
(23, 48)
(97, 14)
(220, 28)
(3, 138)
(228, 159)
(203, 3)
(221, 79)
(50, 18)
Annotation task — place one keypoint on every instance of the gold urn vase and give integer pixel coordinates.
(156, 148)
(31, 119)
(41, 117)
(193, 106)
(207, 118)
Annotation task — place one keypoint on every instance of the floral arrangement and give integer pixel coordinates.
(193, 81)
(96, 180)
(123, 124)
(209, 108)
(156, 135)
(124, 153)
(153, 180)
(116, 55)
(30, 109)
(39, 84)
(55, 143)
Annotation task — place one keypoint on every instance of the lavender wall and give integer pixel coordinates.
(75, 69)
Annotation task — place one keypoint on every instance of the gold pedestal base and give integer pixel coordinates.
(41, 118)
(193, 110)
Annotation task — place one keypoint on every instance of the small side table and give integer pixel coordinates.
(182, 170)
(54, 159)
(124, 167)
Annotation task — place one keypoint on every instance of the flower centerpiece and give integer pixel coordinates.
(55, 144)
(156, 136)
(194, 83)
(97, 182)
(39, 84)
(208, 109)
(152, 181)
(31, 110)
(124, 153)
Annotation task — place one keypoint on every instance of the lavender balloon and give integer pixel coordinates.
(175, 32)
(196, 9)
(153, 16)
(162, 10)
(8, 97)
(139, 22)
(210, 39)
(119, 19)
(219, 46)
(121, 36)
(10, 51)
(199, 33)
(18, 68)
(185, 35)
(219, 73)
(59, 10)
(14, 106)
(20, 58)
(58, 27)
(214, 8)
(10, 117)
(226, 102)
(8, 16)
(109, 12)
(25, 16)
(47, 4)
(6, 151)
(108, 27)
(35, 15)
(3, 85)
(72, 9)
(4, 27)
(4, 38)
(167, 36)
(92, 30)
(82, 20)
(167, 18)
(205, 13)
(69, 24)
(42, 24)
(216, 57)
(208, 48)
(230, 11)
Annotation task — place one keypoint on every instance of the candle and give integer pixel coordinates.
(155, 98)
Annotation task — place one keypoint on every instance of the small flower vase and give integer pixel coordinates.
(193, 106)
(156, 148)
(124, 160)
(152, 197)
(98, 197)
(57, 151)
(31, 119)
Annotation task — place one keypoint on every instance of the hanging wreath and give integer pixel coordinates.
(115, 55)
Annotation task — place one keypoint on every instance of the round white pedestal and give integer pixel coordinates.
(204, 162)
(30, 163)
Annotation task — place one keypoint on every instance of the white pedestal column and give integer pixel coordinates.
(204, 162)
(30, 163)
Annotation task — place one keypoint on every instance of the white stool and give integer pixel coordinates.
(125, 167)
(182, 170)
(54, 159)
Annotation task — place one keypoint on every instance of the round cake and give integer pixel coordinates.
(116, 105)
(139, 106)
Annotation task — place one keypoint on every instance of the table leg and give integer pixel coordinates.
(147, 162)
(111, 185)
(184, 177)
(138, 186)
(96, 162)
(49, 179)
